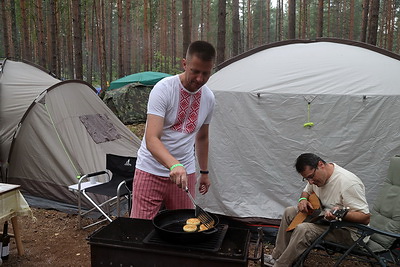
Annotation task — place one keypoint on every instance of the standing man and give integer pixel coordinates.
(178, 116)
(334, 186)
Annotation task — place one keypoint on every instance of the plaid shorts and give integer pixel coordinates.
(150, 192)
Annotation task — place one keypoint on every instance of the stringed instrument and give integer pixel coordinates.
(315, 215)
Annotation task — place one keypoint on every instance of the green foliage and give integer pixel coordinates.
(336, 24)
(165, 64)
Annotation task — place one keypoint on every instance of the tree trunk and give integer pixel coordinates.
(47, 21)
(373, 22)
(301, 15)
(243, 38)
(59, 42)
(185, 27)
(91, 41)
(329, 19)
(364, 24)
(150, 37)
(128, 46)
(135, 61)
(268, 21)
(221, 31)
(101, 44)
(110, 41)
(146, 34)
(120, 40)
(391, 22)
(292, 19)
(77, 33)
(192, 17)
(173, 32)
(260, 24)
(398, 37)
(6, 36)
(202, 20)
(279, 21)
(163, 37)
(14, 29)
(320, 20)
(26, 49)
(249, 26)
(383, 26)
(41, 47)
(304, 21)
(53, 33)
(235, 27)
(338, 25)
(208, 12)
(344, 22)
(351, 24)
(70, 44)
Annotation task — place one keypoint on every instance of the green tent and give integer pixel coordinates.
(128, 96)
(147, 78)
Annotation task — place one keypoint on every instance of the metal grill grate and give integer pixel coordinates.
(212, 244)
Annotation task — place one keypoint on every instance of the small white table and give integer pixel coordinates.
(12, 205)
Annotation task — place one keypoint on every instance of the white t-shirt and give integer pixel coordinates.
(184, 112)
(344, 189)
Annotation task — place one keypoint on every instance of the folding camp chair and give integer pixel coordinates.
(384, 230)
(120, 172)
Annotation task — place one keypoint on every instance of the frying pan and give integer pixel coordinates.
(169, 225)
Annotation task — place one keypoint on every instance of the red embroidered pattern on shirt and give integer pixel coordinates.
(188, 112)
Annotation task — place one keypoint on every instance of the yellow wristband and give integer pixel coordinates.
(302, 198)
(176, 165)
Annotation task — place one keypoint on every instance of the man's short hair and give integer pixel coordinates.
(201, 49)
(307, 159)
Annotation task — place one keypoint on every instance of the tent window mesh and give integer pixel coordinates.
(100, 128)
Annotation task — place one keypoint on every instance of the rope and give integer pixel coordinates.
(308, 123)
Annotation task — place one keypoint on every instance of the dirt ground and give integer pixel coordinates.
(53, 239)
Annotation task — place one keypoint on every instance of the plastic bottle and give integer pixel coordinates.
(5, 248)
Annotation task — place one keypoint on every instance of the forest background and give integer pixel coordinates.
(99, 41)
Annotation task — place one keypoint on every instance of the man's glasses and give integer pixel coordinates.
(310, 177)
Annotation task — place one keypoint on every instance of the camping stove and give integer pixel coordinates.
(133, 242)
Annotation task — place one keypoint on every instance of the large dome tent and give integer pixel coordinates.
(337, 98)
(54, 131)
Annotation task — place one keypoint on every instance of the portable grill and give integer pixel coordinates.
(133, 242)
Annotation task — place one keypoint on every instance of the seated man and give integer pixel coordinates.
(334, 186)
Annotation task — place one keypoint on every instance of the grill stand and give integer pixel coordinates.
(121, 244)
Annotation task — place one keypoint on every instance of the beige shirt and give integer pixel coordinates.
(343, 189)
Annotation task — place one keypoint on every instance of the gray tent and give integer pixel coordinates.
(53, 132)
(337, 98)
